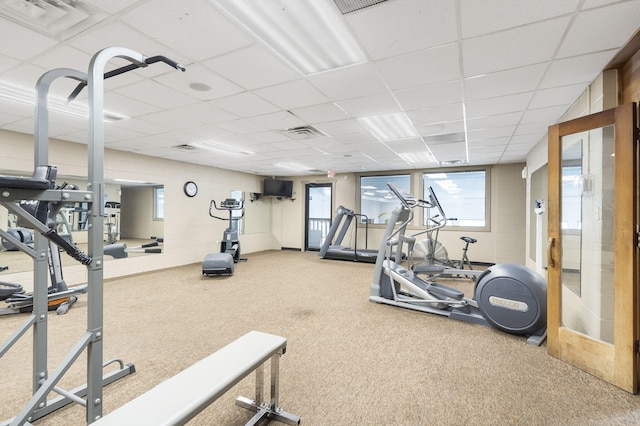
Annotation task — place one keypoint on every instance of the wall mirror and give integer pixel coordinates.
(133, 223)
(257, 218)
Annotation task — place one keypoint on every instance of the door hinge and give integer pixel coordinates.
(636, 346)
(637, 236)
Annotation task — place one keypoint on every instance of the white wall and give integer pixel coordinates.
(188, 230)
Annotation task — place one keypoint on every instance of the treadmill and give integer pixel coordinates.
(335, 250)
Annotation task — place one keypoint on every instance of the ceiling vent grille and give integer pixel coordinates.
(446, 138)
(185, 147)
(348, 6)
(303, 132)
(59, 18)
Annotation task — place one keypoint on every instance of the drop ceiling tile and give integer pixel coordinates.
(512, 48)
(601, 29)
(210, 131)
(118, 33)
(278, 120)
(241, 126)
(341, 127)
(198, 76)
(450, 151)
(294, 94)
(206, 112)
(112, 6)
(156, 94)
(252, 68)
(126, 105)
(531, 129)
(25, 75)
(435, 95)
(31, 43)
(530, 140)
(435, 65)
(510, 119)
(491, 133)
(580, 69)
(63, 57)
(245, 104)
(547, 116)
(507, 82)
(441, 128)
(393, 28)
(489, 143)
(564, 95)
(370, 105)
(479, 17)
(7, 62)
(142, 126)
(350, 82)
(320, 113)
(485, 149)
(260, 138)
(406, 145)
(436, 115)
(194, 28)
(354, 138)
(499, 105)
(171, 119)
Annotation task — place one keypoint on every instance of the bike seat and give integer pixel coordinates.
(468, 240)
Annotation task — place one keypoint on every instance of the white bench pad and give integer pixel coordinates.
(179, 398)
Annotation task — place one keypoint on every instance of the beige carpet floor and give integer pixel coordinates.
(348, 361)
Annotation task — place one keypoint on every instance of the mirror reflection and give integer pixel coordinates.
(257, 218)
(133, 223)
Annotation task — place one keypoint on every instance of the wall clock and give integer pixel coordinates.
(190, 189)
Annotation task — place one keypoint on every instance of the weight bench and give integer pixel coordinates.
(178, 399)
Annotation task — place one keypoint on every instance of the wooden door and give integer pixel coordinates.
(592, 250)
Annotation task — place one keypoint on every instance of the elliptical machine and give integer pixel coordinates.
(509, 297)
(223, 262)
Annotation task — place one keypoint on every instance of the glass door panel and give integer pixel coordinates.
(592, 245)
(318, 214)
(587, 190)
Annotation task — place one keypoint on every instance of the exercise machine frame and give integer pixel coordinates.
(393, 284)
(334, 250)
(12, 190)
(440, 266)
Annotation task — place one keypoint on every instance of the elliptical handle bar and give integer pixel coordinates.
(240, 206)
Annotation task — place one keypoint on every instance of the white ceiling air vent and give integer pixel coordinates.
(446, 138)
(59, 18)
(303, 132)
(348, 6)
(185, 147)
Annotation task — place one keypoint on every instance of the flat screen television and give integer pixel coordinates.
(278, 188)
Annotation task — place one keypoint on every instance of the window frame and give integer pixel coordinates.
(158, 213)
(408, 174)
(487, 198)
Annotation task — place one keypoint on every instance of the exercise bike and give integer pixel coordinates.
(223, 262)
(431, 252)
(509, 297)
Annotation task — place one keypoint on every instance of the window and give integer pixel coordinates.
(376, 200)
(158, 203)
(462, 195)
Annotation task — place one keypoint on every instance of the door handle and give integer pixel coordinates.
(551, 243)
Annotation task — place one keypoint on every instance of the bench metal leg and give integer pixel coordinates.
(269, 410)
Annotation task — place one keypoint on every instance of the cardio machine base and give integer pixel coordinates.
(218, 264)
(507, 297)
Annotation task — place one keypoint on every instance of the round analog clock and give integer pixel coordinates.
(190, 189)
